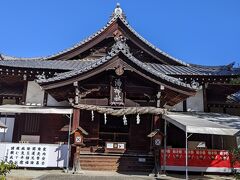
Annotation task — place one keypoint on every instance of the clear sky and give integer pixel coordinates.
(196, 31)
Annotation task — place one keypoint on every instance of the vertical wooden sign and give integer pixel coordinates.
(117, 97)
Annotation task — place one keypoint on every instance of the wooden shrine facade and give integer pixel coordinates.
(118, 84)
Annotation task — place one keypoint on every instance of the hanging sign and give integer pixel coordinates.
(78, 138)
(117, 94)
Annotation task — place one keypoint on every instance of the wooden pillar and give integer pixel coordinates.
(24, 95)
(76, 118)
(76, 148)
(157, 118)
(158, 124)
(76, 161)
(205, 104)
(185, 106)
(156, 121)
(76, 98)
(45, 98)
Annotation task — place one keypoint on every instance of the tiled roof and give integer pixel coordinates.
(234, 98)
(150, 44)
(124, 21)
(97, 63)
(7, 57)
(66, 65)
(114, 18)
(194, 70)
(46, 64)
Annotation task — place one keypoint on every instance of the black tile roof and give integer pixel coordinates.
(234, 98)
(46, 64)
(194, 70)
(67, 65)
(97, 63)
(115, 17)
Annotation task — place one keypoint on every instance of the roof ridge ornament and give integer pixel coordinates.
(119, 45)
(118, 12)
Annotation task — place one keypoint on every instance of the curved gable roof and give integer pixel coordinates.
(116, 18)
(116, 50)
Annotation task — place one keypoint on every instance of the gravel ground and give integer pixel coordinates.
(21, 174)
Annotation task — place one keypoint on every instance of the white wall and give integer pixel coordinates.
(178, 107)
(52, 102)
(8, 134)
(195, 103)
(34, 93)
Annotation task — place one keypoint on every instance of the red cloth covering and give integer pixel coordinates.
(199, 158)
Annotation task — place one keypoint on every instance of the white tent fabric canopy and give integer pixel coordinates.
(205, 123)
(201, 123)
(34, 109)
(41, 110)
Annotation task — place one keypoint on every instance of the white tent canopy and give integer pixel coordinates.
(34, 109)
(41, 110)
(205, 123)
(201, 123)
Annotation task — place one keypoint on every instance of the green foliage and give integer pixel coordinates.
(235, 81)
(5, 168)
(235, 152)
(235, 155)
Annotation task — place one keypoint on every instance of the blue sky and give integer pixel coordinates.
(200, 31)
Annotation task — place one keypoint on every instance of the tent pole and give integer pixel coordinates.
(212, 141)
(5, 122)
(165, 146)
(69, 133)
(222, 141)
(186, 153)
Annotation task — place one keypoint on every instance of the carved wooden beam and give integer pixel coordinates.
(89, 91)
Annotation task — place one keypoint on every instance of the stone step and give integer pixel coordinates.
(116, 163)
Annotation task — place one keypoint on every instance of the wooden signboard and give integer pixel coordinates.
(118, 147)
(117, 92)
(78, 138)
(157, 137)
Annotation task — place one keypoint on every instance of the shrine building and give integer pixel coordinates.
(114, 101)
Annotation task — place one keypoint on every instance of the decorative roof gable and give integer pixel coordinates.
(120, 47)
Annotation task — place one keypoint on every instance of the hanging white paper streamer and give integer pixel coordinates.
(138, 118)
(105, 118)
(92, 112)
(124, 120)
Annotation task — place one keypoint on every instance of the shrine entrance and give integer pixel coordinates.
(114, 129)
(128, 130)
